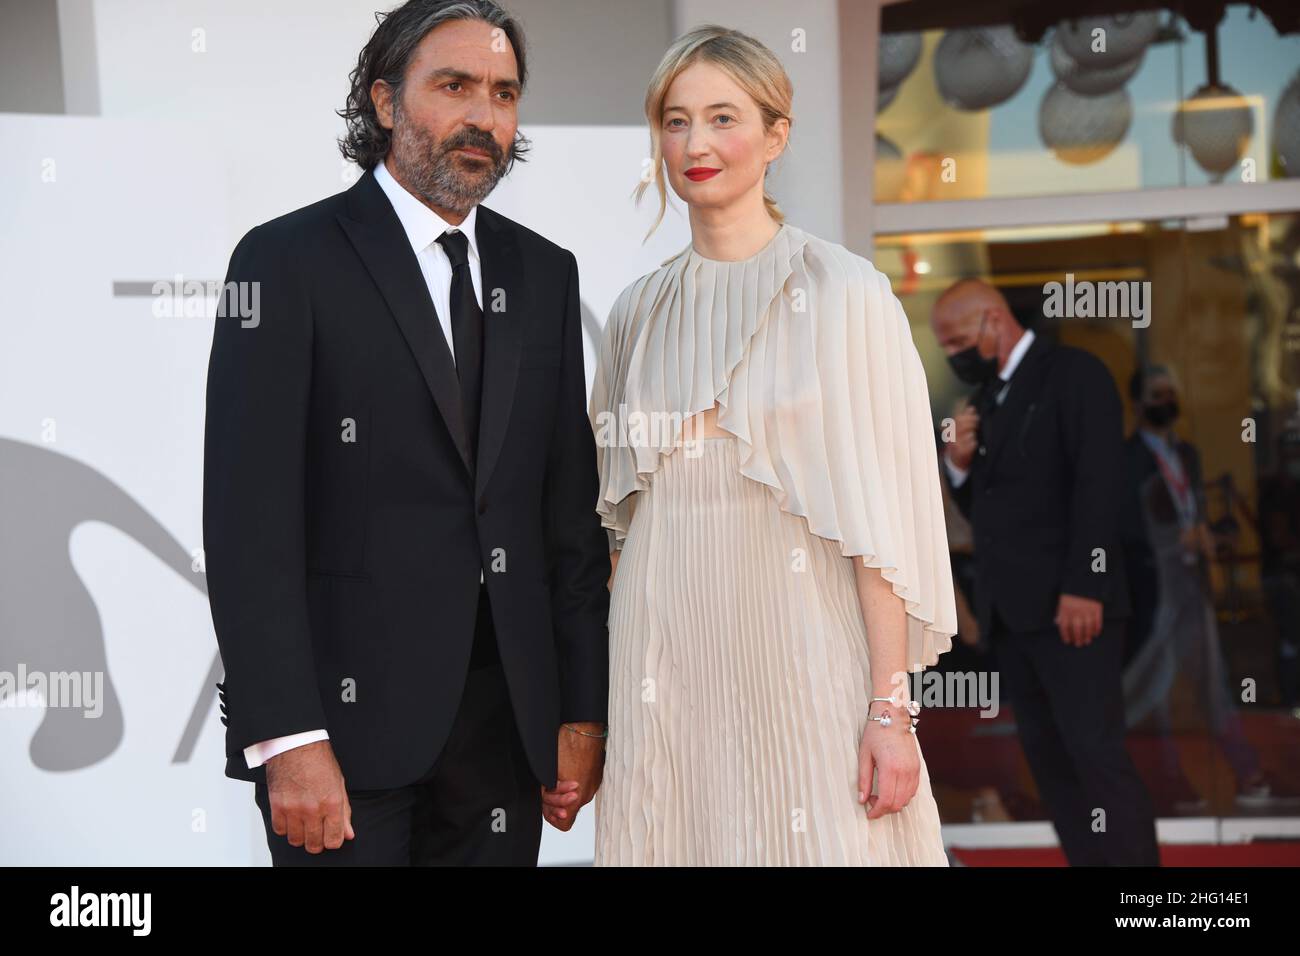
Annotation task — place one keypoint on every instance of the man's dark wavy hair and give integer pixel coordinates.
(386, 56)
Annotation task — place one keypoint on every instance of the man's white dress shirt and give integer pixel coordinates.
(423, 226)
(957, 475)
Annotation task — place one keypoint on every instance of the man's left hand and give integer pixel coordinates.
(581, 762)
(1079, 619)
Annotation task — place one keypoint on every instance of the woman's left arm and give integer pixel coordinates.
(891, 752)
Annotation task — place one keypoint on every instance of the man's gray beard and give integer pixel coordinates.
(431, 171)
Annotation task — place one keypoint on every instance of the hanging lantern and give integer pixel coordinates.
(1083, 129)
(1215, 123)
(899, 54)
(1095, 42)
(979, 68)
(1091, 80)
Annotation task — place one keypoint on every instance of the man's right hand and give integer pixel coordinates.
(966, 438)
(309, 802)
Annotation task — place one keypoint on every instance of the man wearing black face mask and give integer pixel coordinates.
(1156, 404)
(1036, 465)
(1167, 552)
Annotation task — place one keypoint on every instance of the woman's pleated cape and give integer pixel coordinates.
(809, 356)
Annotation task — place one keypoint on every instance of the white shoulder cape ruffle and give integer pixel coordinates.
(810, 358)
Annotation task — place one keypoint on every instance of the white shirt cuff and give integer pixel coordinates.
(955, 475)
(260, 753)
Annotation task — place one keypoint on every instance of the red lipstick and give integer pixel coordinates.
(697, 174)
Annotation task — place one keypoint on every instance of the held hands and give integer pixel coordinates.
(1079, 619)
(581, 763)
(893, 754)
(309, 803)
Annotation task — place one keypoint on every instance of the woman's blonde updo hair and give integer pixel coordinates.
(753, 67)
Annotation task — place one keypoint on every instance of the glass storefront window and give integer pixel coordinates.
(1096, 105)
(1212, 673)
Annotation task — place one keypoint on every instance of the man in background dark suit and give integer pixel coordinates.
(1143, 466)
(1036, 463)
(406, 413)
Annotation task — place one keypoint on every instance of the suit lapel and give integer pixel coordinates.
(376, 233)
(504, 312)
(1022, 393)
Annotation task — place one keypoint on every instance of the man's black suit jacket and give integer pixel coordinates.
(1044, 491)
(344, 535)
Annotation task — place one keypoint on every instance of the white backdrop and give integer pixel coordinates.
(101, 431)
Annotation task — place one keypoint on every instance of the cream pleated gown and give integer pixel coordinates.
(739, 669)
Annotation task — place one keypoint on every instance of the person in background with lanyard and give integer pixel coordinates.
(1169, 549)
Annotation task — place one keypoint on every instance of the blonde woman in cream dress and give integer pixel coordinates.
(771, 489)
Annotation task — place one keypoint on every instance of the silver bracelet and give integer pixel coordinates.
(912, 707)
(585, 733)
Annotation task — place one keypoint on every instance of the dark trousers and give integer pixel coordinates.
(1070, 716)
(479, 804)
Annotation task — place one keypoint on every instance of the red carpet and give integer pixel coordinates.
(965, 753)
(1189, 854)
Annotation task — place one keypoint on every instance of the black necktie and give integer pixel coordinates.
(992, 388)
(987, 405)
(466, 333)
